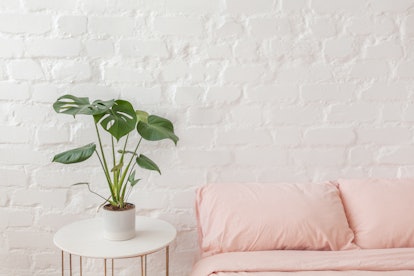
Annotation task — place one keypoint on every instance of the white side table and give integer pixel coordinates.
(85, 239)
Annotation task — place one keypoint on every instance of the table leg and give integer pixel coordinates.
(112, 267)
(63, 263)
(143, 265)
(105, 267)
(70, 264)
(80, 265)
(167, 261)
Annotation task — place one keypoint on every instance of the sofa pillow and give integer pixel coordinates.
(253, 217)
(380, 211)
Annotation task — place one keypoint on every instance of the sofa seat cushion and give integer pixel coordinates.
(252, 217)
(380, 211)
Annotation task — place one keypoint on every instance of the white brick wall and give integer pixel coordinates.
(53, 47)
(25, 70)
(259, 90)
(177, 25)
(25, 23)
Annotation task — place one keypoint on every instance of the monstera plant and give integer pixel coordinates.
(119, 119)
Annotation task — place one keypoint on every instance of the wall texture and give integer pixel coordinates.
(259, 90)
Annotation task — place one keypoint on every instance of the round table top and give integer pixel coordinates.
(85, 238)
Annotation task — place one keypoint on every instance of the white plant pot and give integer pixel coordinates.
(119, 225)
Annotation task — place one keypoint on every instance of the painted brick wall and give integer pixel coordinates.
(259, 90)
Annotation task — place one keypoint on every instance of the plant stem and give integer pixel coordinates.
(122, 183)
(115, 172)
(104, 164)
(129, 191)
(125, 145)
(113, 150)
(130, 171)
(108, 179)
(90, 190)
(129, 163)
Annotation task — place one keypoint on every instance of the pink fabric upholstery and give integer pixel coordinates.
(380, 211)
(253, 217)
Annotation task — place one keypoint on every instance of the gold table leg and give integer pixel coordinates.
(167, 260)
(112, 267)
(70, 264)
(63, 264)
(80, 265)
(143, 265)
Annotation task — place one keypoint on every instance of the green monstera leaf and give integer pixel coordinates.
(132, 180)
(72, 105)
(146, 163)
(75, 155)
(119, 120)
(141, 115)
(157, 128)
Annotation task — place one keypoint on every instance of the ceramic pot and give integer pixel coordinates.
(119, 224)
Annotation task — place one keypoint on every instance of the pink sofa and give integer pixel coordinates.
(344, 227)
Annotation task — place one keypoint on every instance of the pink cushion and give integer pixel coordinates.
(251, 217)
(380, 211)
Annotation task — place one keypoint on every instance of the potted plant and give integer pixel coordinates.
(118, 119)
